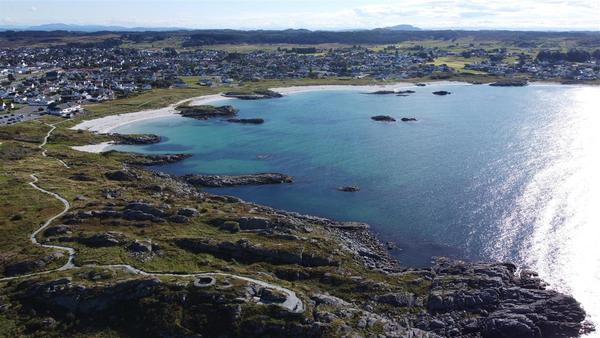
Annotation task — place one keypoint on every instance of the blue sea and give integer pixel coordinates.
(486, 173)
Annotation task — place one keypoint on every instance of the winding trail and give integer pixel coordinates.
(292, 302)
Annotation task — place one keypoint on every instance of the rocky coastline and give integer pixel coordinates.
(448, 299)
(216, 181)
(510, 83)
(139, 139)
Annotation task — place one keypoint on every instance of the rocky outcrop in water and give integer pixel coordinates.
(382, 92)
(441, 93)
(350, 188)
(228, 181)
(256, 95)
(136, 139)
(247, 121)
(204, 112)
(383, 118)
(408, 119)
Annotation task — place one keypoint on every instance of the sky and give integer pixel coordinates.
(309, 14)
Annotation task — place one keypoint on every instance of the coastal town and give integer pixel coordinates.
(59, 80)
(296, 183)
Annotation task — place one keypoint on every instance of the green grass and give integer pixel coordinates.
(458, 63)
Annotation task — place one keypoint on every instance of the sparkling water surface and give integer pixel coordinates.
(486, 173)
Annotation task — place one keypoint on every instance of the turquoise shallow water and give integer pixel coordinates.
(486, 173)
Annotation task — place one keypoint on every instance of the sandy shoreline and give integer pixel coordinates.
(94, 148)
(107, 124)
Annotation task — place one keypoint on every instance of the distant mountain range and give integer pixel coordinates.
(101, 28)
(87, 28)
(402, 28)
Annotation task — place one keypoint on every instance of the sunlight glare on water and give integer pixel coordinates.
(555, 224)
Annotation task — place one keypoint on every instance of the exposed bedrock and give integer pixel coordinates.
(228, 181)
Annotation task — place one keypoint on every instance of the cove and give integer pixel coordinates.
(486, 173)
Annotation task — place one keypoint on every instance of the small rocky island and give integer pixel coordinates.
(203, 112)
(255, 95)
(349, 188)
(215, 181)
(383, 118)
(441, 92)
(247, 121)
(408, 119)
(392, 92)
(382, 92)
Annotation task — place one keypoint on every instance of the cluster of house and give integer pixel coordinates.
(58, 80)
(588, 70)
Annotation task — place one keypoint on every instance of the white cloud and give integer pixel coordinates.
(319, 14)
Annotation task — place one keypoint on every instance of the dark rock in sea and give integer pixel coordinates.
(408, 91)
(442, 92)
(228, 181)
(121, 175)
(408, 119)
(256, 95)
(510, 83)
(383, 118)
(136, 139)
(247, 121)
(382, 92)
(349, 188)
(420, 84)
(204, 112)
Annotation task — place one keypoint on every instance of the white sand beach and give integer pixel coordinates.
(94, 148)
(107, 124)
